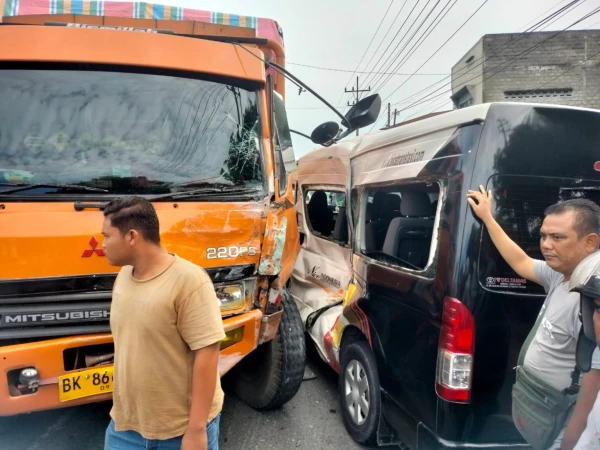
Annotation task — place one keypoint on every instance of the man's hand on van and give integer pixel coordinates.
(481, 202)
(517, 259)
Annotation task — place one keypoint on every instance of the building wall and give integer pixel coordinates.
(469, 74)
(543, 68)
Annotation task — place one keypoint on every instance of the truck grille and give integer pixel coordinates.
(56, 315)
(52, 307)
(41, 308)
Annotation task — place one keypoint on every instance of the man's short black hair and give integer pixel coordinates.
(134, 213)
(587, 214)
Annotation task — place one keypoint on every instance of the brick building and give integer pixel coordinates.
(565, 70)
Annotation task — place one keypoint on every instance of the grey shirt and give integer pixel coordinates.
(551, 354)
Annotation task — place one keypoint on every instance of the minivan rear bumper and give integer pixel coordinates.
(428, 440)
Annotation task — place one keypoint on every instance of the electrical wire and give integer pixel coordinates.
(505, 46)
(331, 69)
(515, 39)
(506, 62)
(563, 14)
(368, 47)
(393, 39)
(384, 36)
(407, 43)
(440, 48)
(513, 58)
(413, 50)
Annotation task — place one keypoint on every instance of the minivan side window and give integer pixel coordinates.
(399, 224)
(326, 214)
(520, 203)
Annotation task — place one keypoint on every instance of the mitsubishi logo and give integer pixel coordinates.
(90, 251)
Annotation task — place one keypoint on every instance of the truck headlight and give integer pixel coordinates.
(231, 296)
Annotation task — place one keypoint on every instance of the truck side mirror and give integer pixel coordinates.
(364, 112)
(325, 132)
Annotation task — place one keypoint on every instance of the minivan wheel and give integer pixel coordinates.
(272, 374)
(359, 392)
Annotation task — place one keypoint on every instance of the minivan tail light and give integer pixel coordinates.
(455, 354)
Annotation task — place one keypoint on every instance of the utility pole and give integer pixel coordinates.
(396, 112)
(389, 111)
(356, 93)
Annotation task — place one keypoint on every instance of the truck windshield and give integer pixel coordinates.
(125, 133)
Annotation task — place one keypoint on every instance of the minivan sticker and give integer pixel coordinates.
(316, 274)
(404, 158)
(505, 283)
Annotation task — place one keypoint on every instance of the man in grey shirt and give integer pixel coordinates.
(569, 233)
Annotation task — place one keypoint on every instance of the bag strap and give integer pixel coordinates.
(573, 389)
(533, 332)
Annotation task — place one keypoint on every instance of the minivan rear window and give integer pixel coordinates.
(519, 204)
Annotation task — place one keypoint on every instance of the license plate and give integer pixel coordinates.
(85, 383)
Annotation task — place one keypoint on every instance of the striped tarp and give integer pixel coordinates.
(265, 28)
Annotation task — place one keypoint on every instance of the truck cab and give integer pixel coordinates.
(183, 113)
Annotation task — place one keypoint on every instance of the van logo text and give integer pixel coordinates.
(405, 158)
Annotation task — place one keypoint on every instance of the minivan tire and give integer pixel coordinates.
(358, 355)
(272, 374)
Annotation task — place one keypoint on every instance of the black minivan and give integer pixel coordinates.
(430, 331)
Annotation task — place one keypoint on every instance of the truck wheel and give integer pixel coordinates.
(272, 374)
(360, 396)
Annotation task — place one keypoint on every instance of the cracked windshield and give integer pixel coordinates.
(126, 133)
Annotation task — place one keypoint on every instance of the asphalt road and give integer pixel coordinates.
(311, 420)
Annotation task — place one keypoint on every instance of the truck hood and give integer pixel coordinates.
(50, 240)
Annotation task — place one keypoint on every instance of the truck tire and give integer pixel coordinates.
(272, 374)
(359, 391)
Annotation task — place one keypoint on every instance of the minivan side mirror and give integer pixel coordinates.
(364, 113)
(325, 133)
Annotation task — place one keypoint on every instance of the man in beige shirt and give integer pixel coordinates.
(166, 325)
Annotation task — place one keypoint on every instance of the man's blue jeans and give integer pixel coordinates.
(132, 440)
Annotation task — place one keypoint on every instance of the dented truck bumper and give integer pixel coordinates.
(244, 332)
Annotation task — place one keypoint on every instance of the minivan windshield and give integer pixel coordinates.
(125, 133)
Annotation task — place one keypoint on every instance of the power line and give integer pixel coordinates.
(431, 57)
(514, 39)
(394, 38)
(395, 55)
(368, 47)
(532, 91)
(506, 62)
(506, 45)
(372, 39)
(484, 59)
(440, 48)
(431, 29)
(541, 15)
(564, 13)
(406, 100)
(331, 69)
(511, 59)
(385, 35)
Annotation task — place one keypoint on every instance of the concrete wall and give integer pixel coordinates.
(541, 67)
(470, 74)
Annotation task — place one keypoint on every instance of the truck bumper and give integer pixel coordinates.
(244, 332)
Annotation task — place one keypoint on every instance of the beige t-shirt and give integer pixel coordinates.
(156, 325)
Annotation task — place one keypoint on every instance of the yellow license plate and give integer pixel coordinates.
(85, 384)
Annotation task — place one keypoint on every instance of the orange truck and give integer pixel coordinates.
(185, 113)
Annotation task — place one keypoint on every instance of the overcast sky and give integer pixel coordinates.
(335, 34)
